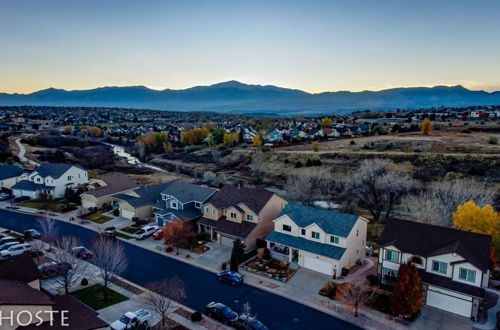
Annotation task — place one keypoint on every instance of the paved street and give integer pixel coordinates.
(201, 287)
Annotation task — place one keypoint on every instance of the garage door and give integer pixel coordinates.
(127, 214)
(226, 241)
(449, 303)
(318, 265)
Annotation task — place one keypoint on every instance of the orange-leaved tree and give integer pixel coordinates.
(485, 220)
(257, 141)
(426, 127)
(177, 233)
(407, 297)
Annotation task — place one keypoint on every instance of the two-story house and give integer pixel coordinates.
(51, 179)
(453, 264)
(139, 202)
(10, 175)
(243, 213)
(181, 200)
(318, 239)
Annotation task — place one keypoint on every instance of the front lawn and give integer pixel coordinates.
(97, 217)
(124, 236)
(130, 230)
(93, 296)
(52, 205)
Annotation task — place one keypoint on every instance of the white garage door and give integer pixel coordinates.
(449, 303)
(318, 265)
(226, 241)
(127, 214)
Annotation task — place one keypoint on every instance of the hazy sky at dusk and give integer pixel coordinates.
(310, 45)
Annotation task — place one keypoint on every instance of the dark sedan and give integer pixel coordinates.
(231, 277)
(52, 269)
(82, 252)
(221, 312)
(31, 234)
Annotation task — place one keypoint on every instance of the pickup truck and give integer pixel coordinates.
(130, 320)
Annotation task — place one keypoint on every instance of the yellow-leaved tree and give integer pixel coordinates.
(326, 122)
(426, 127)
(484, 220)
(257, 141)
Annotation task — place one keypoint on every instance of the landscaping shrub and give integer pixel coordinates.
(116, 212)
(493, 140)
(169, 249)
(495, 275)
(223, 266)
(381, 302)
(372, 279)
(352, 142)
(84, 282)
(329, 290)
(203, 236)
(286, 161)
(298, 164)
(196, 317)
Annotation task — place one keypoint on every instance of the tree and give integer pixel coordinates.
(177, 233)
(407, 297)
(357, 294)
(48, 230)
(426, 127)
(237, 254)
(110, 259)
(211, 179)
(95, 131)
(315, 146)
(257, 166)
(326, 122)
(162, 293)
(377, 187)
(231, 139)
(485, 220)
(250, 122)
(310, 185)
(216, 137)
(71, 267)
(257, 141)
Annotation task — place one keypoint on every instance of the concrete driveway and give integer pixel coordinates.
(215, 256)
(309, 280)
(437, 319)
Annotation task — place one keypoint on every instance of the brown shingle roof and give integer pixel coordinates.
(19, 293)
(241, 230)
(116, 182)
(21, 268)
(254, 198)
(429, 240)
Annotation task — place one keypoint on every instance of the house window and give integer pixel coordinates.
(249, 217)
(389, 274)
(303, 231)
(315, 234)
(287, 228)
(197, 205)
(392, 256)
(335, 239)
(357, 232)
(70, 177)
(207, 210)
(467, 274)
(439, 266)
(233, 215)
(213, 211)
(174, 205)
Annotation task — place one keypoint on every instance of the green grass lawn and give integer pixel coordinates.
(130, 230)
(97, 217)
(52, 205)
(93, 296)
(124, 236)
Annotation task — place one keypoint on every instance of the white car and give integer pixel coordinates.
(145, 232)
(142, 317)
(16, 250)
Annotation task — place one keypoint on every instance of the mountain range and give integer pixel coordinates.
(236, 97)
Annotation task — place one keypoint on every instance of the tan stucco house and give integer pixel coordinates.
(100, 191)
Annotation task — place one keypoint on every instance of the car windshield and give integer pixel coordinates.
(226, 310)
(124, 319)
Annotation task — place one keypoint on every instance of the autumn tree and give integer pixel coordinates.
(426, 127)
(257, 141)
(250, 122)
(315, 146)
(67, 130)
(162, 293)
(407, 297)
(177, 233)
(357, 294)
(485, 220)
(326, 122)
(95, 131)
(231, 139)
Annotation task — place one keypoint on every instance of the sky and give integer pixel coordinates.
(310, 45)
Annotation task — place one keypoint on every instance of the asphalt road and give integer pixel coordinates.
(201, 287)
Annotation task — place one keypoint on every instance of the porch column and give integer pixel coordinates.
(290, 255)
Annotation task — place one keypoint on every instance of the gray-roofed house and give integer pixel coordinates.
(181, 200)
(10, 175)
(99, 191)
(138, 202)
(240, 213)
(51, 179)
(454, 264)
(318, 239)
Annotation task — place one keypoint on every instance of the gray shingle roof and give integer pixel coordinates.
(30, 185)
(116, 182)
(147, 195)
(253, 198)
(187, 192)
(222, 225)
(54, 170)
(327, 250)
(10, 171)
(332, 222)
(187, 214)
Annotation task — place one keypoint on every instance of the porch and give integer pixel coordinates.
(283, 252)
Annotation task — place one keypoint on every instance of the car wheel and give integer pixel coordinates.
(145, 324)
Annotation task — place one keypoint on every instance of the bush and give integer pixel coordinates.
(381, 302)
(196, 317)
(495, 275)
(169, 249)
(329, 290)
(372, 279)
(493, 140)
(203, 236)
(352, 142)
(84, 282)
(223, 266)
(298, 164)
(286, 161)
(466, 130)
(116, 212)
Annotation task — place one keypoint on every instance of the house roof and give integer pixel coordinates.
(30, 185)
(19, 293)
(429, 240)
(448, 283)
(147, 195)
(327, 250)
(10, 171)
(21, 268)
(115, 183)
(241, 230)
(188, 213)
(187, 192)
(254, 198)
(54, 170)
(332, 222)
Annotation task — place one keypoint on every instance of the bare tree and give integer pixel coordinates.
(48, 230)
(357, 294)
(378, 187)
(436, 204)
(110, 258)
(309, 186)
(257, 167)
(38, 246)
(162, 293)
(69, 266)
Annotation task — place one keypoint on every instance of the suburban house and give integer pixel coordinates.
(138, 202)
(181, 200)
(51, 179)
(10, 175)
(23, 296)
(240, 213)
(318, 239)
(453, 264)
(99, 191)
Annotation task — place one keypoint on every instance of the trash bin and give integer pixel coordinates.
(345, 271)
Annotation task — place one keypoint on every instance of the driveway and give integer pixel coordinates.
(306, 278)
(431, 318)
(214, 258)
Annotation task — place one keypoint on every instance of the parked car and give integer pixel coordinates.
(158, 234)
(247, 322)
(8, 245)
(7, 239)
(221, 312)
(142, 317)
(82, 252)
(16, 250)
(52, 269)
(31, 233)
(109, 233)
(5, 196)
(145, 231)
(230, 277)
(21, 199)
